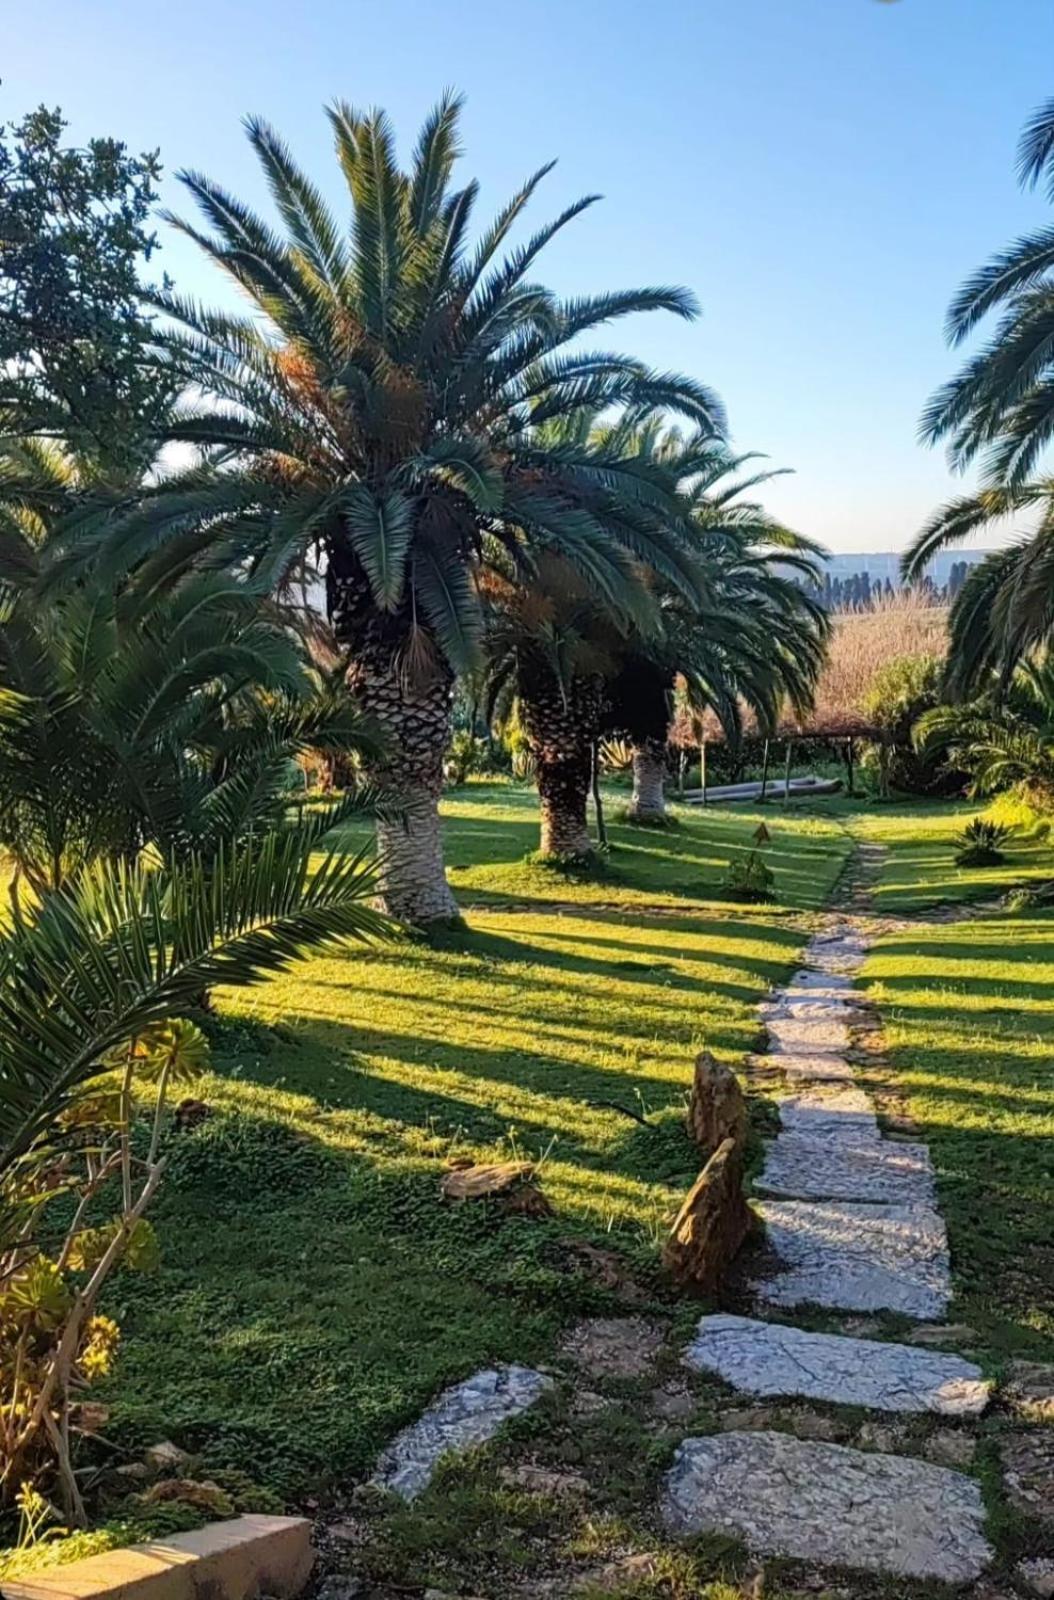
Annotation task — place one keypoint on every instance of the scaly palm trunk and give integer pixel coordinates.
(560, 731)
(648, 802)
(411, 704)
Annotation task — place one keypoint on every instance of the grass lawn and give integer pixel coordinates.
(968, 1012)
(314, 1294)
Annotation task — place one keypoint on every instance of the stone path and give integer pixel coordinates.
(462, 1417)
(823, 1502)
(851, 1224)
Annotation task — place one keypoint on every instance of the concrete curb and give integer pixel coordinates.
(234, 1560)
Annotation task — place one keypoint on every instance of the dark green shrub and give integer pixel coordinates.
(979, 844)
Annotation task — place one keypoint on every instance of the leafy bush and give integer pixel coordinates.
(90, 980)
(903, 691)
(749, 881)
(979, 843)
(466, 754)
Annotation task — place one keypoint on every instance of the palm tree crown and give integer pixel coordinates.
(386, 401)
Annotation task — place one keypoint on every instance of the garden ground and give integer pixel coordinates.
(314, 1293)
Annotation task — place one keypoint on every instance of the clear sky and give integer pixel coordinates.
(823, 173)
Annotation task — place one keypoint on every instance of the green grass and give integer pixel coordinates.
(314, 1293)
(968, 1012)
(921, 870)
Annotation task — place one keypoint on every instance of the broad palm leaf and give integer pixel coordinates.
(1004, 613)
(755, 642)
(166, 720)
(385, 402)
(121, 946)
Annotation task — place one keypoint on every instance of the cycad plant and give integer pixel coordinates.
(383, 403)
(1000, 409)
(93, 983)
(135, 718)
(1004, 739)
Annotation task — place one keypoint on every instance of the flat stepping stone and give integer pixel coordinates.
(845, 1115)
(797, 1034)
(465, 1416)
(828, 984)
(806, 1068)
(855, 1257)
(800, 1168)
(809, 1004)
(767, 1359)
(823, 1502)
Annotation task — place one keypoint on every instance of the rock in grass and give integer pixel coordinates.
(511, 1182)
(713, 1222)
(716, 1110)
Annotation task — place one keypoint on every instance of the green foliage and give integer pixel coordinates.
(134, 717)
(979, 843)
(88, 979)
(1003, 740)
(466, 754)
(77, 356)
(389, 391)
(749, 880)
(902, 692)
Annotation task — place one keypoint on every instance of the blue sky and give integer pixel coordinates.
(823, 173)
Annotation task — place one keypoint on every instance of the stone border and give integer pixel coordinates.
(239, 1559)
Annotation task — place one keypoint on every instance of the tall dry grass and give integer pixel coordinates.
(863, 642)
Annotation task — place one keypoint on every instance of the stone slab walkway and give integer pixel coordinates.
(769, 1359)
(851, 1224)
(467, 1415)
(827, 1503)
(798, 1167)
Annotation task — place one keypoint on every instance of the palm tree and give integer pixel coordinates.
(382, 404)
(757, 639)
(552, 648)
(144, 717)
(1000, 407)
(1004, 738)
(1002, 402)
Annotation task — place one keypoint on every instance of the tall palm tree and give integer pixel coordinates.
(553, 647)
(382, 403)
(1000, 408)
(756, 641)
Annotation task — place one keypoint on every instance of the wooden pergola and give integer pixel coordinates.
(697, 733)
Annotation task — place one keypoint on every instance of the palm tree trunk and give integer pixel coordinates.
(411, 702)
(648, 803)
(560, 731)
